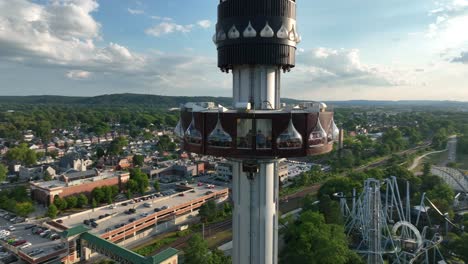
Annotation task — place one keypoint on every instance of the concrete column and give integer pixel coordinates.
(255, 218)
(258, 85)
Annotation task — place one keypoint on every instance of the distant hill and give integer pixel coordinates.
(159, 101)
(126, 99)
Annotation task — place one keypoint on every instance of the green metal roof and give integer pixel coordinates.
(74, 231)
(164, 255)
(115, 249)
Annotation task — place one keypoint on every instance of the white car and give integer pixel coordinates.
(26, 245)
(4, 233)
(11, 228)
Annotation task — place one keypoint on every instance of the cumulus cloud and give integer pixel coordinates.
(342, 67)
(165, 28)
(60, 33)
(168, 27)
(204, 23)
(78, 74)
(463, 58)
(450, 20)
(135, 11)
(161, 18)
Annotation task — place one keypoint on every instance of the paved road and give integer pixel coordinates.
(418, 159)
(383, 160)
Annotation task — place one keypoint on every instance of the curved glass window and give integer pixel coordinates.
(245, 133)
(333, 132)
(179, 130)
(290, 138)
(219, 138)
(318, 136)
(192, 134)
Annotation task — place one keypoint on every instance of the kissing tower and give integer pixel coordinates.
(256, 41)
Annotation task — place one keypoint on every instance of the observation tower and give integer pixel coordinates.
(256, 42)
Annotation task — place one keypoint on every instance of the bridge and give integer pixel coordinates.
(90, 242)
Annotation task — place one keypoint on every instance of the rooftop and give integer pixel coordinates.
(75, 231)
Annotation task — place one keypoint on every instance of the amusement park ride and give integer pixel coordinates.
(256, 41)
(383, 227)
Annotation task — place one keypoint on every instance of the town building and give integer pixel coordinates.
(76, 182)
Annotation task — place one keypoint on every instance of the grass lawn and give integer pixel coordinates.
(462, 160)
(219, 238)
(291, 204)
(156, 243)
(436, 158)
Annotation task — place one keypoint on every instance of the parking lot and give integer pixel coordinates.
(35, 245)
(119, 215)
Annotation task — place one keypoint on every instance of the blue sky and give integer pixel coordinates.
(382, 50)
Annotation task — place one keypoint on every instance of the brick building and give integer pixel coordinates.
(74, 183)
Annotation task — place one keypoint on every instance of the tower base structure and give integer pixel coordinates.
(255, 189)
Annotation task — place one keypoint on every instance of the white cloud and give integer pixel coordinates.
(161, 18)
(342, 67)
(165, 28)
(135, 11)
(60, 33)
(462, 58)
(204, 23)
(78, 74)
(449, 27)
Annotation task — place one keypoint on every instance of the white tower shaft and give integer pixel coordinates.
(255, 195)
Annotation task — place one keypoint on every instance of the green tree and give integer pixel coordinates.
(197, 250)
(24, 209)
(116, 146)
(3, 173)
(72, 201)
(310, 240)
(22, 154)
(426, 169)
(156, 185)
(208, 211)
(47, 176)
(30, 158)
(60, 203)
(94, 203)
(138, 160)
(141, 180)
(43, 130)
(52, 211)
(218, 257)
(100, 152)
(460, 247)
(82, 201)
(98, 194)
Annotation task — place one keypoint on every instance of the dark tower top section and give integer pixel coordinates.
(256, 32)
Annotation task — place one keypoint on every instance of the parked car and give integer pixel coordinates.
(11, 228)
(181, 194)
(29, 227)
(60, 221)
(19, 243)
(157, 209)
(131, 220)
(94, 224)
(147, 205)
(86, 222)
(25, 245)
